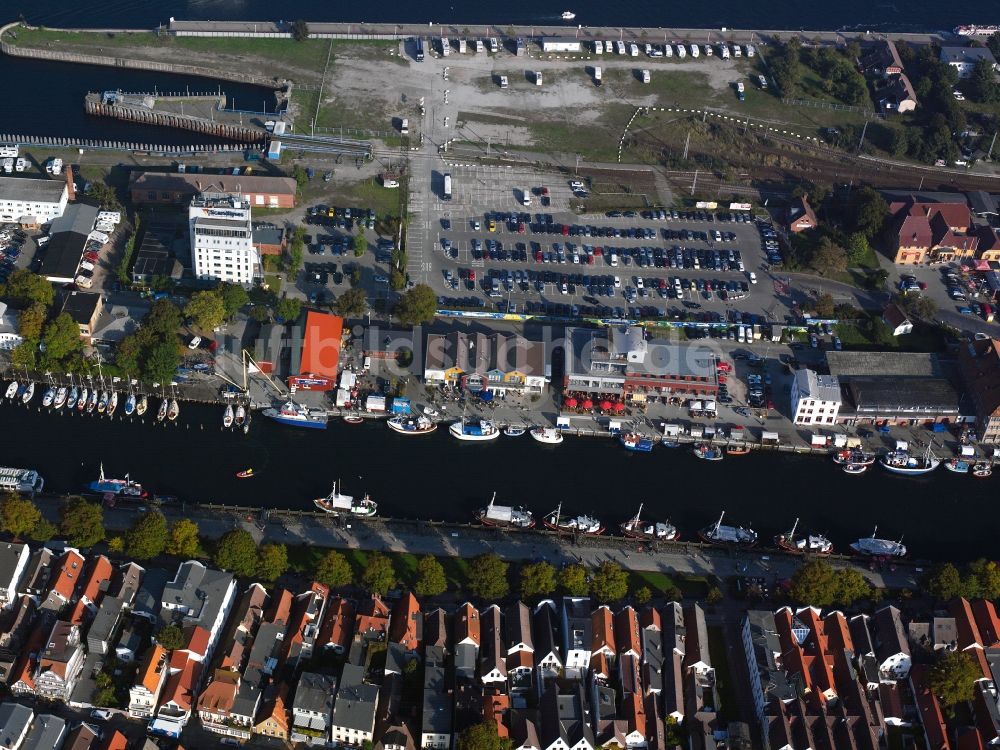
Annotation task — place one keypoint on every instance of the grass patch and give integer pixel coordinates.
(273, 282)
(728, 710)
(923, 338)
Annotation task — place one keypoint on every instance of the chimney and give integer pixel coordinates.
(70, 185)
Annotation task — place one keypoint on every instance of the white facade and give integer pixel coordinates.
(43, 199)
(222, 239)
(17, 555)
(815, 398)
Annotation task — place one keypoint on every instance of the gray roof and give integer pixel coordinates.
(903, 396)
(883, 364)
(246, 701)
(105, 621)
(966, 55)
(811, 385)
(696, 642)
(395, 658)
(565, 717)
(78, 218)
(665, 357)
(577, 622)
(674, 629)
(14, 719)
(199, 589)
(518, 625)
(47, 733)
(890, 638)
(466, 658)
(766, 646)
(268, 235)
(982, 203)
(63, 254)
(10, 556)
(33, 190)
(314, 692)
(356, 700)
(150, 594)
(436, 715)
(131, 580)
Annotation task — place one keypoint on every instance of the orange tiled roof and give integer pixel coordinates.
(635, 713)
(650, 618)
(965, 623)
(79, 613)
(149, 672)
(338, 623)
(68, 575)
(603, 631)
(989, 625)
(627, 632)
(403, 626)
(495, 708)
(219, 694)
(117, 741)
(467, 625)
(180, 685)
(24, 669)
(373, 616)
(99, 573)
(281, 607)
(198, 643)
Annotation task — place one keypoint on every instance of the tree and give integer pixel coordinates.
(237, 553)
(397, 279)
(334, 570)
(18, 515)
(31, 320)
(818, 584)
(163, 318)
(828, 258)
(537, 579)
(870, 212)
(953, 677)
(288, 309)
(488, 577)
(642, 595)
(431, 580)
(104, 195)
(610, 582)
(573, 580)
(171, 637)
(824, 305)
(300, 30)
(161, 362)
(24, 288)
(82, 523)
(982, 83)
(207, 309)
(125, 264)
(148, 537)
(379, 575)
(482, 736)
(920, 306)
(352, 303)
(183, 539)
(234, 297)
(988, 574)
(296, 251)
(360, 243)
(852, 586)
(993, 44)
(273, 561)
(858, 248)
(43, 531)
(714, 595)
(62, 342)
(416, 305)
(300, 176)
(944, 582)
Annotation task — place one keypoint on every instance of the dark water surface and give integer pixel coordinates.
(941, 516)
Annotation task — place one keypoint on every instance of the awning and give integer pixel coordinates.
(570, 403)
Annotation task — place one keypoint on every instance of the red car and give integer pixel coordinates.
(565, 230)
(724, 367)
(520, 228)
(770, 404)
(91, 256)
(472, 275)
(590, 260)
(538, 256)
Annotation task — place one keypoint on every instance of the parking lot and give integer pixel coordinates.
(963, 297)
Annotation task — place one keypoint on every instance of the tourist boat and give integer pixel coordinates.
(353, 419)
(976, 30)
(142, 406)
(957, 465)
(736, 536)
(900, 461)
(411, 425)
(579, 524)
(870, 545)
(130, 405)
(737, 450)
(73, 397)
(505, 516)
(514, 430)
(815, 544)
(12, 389)
(982, 470)
(92, 401)
(474, 430)
(293, 414)
(854, 456)
(174, 410)
(27, 481)
(227, 416)
(636, 528)
(708, 452)
(338, 503)
(568, 15)
(855, 468)
(241, 415)
(112, 403)
(29, 393)
(633, 441)
(102, 402)
(245, 474)
(81, 403)
(162, 413)
(124, 488)
(549, 435)
(48, 397)
(60, 399)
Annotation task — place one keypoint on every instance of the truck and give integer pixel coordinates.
(463, 47)
(633, 49)
(503, 82)
(598, 47)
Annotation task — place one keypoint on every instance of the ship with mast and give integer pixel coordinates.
(337, 504)
(659, 531)
(730, 536)
(872, 546)
(505, 516)
(815, 544)
(583, 524)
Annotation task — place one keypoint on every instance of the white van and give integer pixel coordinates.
(538, 78)
(633, 49)
(598, 47)
(597, 73)
(620, 47)
(525, 197)
(645, 76)
(404, 127)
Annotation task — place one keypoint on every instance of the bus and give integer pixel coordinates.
(420, 49)
(447, 187)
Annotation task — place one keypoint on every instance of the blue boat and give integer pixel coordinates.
(123, 488)
(633, 441)
(295, 415)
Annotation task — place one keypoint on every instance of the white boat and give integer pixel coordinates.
(81, 403)
(241, 415)
(12, 389)
(112, 403)
(739, 536)
(140, 408)
(296, 415)
(92, 401)
(60, 400)
(74, 396)
(228, 416)
(870, 545)
(174, 410)
(982, 470)
(411, 425)
(958, 466)
(102, 402)
(162, 413)
(815, 544)
(337, 503)
(549, 435)
(505, 516)
(29, 393)
(636, 528)
(901, 461)
(568, 15)
(475, 430)
(855, 468)
(48, 397)
(514, 430)
(130, 405)
(578, 524)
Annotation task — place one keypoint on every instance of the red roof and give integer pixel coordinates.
(100, 573)
(930, 709)
(406, 618)
(627, 631)
(989, 624)
(321, 344)
(68, 576)
(965, 623)
(338, 624)
(198, 644)
(117, 741)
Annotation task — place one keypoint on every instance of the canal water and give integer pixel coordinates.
(942, 516)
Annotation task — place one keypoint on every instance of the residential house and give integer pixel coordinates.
(244, 710)
(468, 705)
(102, 630)
(524, 730)
(436, 715)
(216, 701)
(272, 719)
(65, 578)
(149, 681)
(25, 669)
(96, 582)
(577, 633)
(499, 361)
(265, 658)
(371, 626)
(246, 619)
(15, 721)
(353, 719)
(60, 663)
(651, 647)
(85, 737)
(897, 320)
(815, 398)
(674, 629)
(892, 88)
(338, 626)
(673, 686)
(931, 716)
(13, 565)
(468, 636)
(969, 640)
(47, 733)
(129, 644)
(602, 634)
(891, 649)
(881, 59)
(179, 694)
(407, 624)
(565, 721)
(199, 599)
(801, 216)
(923, 231)
(312, 707)
(762, 649)
(696, 656)
(437, 629)
(19, 623)
(634, 713)
(980, 366)
(38, 575)
(306, 618)
(965, 59)
(896, 94)
(548, 649)
(518, 629)
(492, 661)
(627, 636)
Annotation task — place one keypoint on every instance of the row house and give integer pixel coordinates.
(353, 718)
(144, 695)
(467, 640)
(303, 629)
(406, 627)
(198, 599)
(337, 628)
(13, 565)
(312, 707)
(565, 720)
(228, 706)
(371, 625)
(38, 575)
(67, 570)
(60, 663)
(436, 714)
(577, 636)
(548, 647)
(248, 613)
(20, 622)
(96, 583)
(492, 660)
(272, 718)
(22, 676)
(179, 694)
(924, 231)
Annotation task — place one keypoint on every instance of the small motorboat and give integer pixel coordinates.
(102, 402)
(140, 408)
(92, 401)
(227, 417)
(112, 403)
(130, 405)
(353, 419)
(174, 410)
(707, 452)
(241, 415)
(633, 441)
(12, 389)
(48, 397)
(162, 413)
(60, 400)
(74, 396)
(737, 450)
(549, 435)
(514, 430)
(957, 465)
(568, 15)
(855, 468)
(81, 403)
(982, 470)
(245, 474)
(246, 423)
(29, 393)
(405, 425)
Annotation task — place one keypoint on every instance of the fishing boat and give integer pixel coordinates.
(29, 393)
(901, 461)
(241, 415)
(957, 465)
(48, 397)
(514, 430)
(123, 488)
(12, 389)
(92, 401)
(568, 15)
(871, 545)
(633, 441)
(142, 406)
(636, 528)
(174, 410)
(112, 403)
(102, 402)
(81, 403)
(227, 416)
(354, 419)
(162, 413)
(855, 468)
(708, 452)
(737, 450)
(734, 536)
(293, 414)
(73, 397)
(130, 405)
(854, 456)
(815, 544)
(245, 474)
(577, 524)
(982, 470)
(474, 430)
(505, 516)
(411, 425)
(548, 435)
(60, 400)
(337, 503)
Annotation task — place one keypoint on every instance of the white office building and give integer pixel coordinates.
(31, 201)
(222, 239)
(815, 398)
